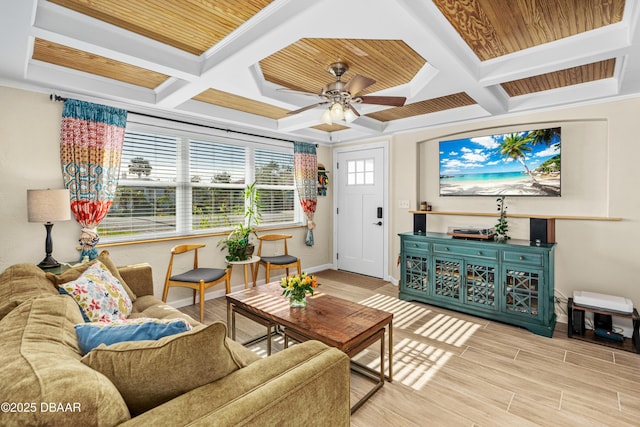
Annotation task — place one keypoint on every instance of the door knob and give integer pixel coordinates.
(377, 223)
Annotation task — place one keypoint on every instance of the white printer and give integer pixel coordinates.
(604, 302)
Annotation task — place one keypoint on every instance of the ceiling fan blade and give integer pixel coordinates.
(354, 110)
(395, 101)
(308, 107)
(358, 83)
(298, 92)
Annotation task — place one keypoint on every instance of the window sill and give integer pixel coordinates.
(186, 236)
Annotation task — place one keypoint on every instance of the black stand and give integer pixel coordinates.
(48, 261)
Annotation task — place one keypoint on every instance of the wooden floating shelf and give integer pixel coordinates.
(567, 217)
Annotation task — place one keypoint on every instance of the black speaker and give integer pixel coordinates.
(542, 229)
(577, 322)
(419, 223)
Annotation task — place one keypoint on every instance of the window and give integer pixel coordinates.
(179, 185)
(360, 172)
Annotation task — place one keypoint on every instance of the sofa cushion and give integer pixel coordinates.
(99, 294)
(148, 373)
(75, 272)
(20, 282)
(40, 364)
(91, 335)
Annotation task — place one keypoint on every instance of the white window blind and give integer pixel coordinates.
(217, 184)
(145, 201)
(174, 185)
(274, 181)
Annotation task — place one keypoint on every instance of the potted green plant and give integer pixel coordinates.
(502, 226)
(238, 243)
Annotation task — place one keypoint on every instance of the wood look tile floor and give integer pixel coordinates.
(452, 369)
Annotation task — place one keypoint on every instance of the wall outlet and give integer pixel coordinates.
(404, 204)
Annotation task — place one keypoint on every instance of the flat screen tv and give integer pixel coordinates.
(524, 163)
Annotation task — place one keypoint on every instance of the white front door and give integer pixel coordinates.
(360, 211)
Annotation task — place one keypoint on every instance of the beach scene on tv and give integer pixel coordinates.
(523, 163)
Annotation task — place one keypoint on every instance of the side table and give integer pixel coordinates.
(576, 329)
(64, 266)
(249, 262)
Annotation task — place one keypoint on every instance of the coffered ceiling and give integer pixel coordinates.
(225, 62)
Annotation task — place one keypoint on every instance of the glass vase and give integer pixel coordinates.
(298, 300)
(501, 238)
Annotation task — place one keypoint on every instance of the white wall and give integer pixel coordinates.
(30, 159)
(600, 177)
(597, 256)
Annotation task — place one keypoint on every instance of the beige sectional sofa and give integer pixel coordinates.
(199, 377)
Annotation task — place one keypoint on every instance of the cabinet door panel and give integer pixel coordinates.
(416, 273)
(447, 278)
(480, 284)
(522, 291)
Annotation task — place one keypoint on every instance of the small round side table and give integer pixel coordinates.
(246, 263)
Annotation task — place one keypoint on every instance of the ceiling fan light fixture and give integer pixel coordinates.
(326, 117)
(349, 115)
(337, 112)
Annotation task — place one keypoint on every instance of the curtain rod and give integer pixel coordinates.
(58, 98)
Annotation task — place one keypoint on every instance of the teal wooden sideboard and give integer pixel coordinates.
(509, 282)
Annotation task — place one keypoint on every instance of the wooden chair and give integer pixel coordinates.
(285, 261)
(198, 279)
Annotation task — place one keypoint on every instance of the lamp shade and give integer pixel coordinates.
(48, 205)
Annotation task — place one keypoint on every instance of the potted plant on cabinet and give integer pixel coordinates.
(502, 227)
(238, 243)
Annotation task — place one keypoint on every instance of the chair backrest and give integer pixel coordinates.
(181, 249)
(274, 238)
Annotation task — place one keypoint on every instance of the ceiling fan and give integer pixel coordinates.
(340, 96)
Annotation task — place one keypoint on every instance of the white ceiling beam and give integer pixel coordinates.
(629, 71)
(244, 38)
(83, 83)
(585, 48)
(61, 25)
(565, 95)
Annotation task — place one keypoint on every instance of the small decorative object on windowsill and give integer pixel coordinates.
(296, 288)
(502, 226)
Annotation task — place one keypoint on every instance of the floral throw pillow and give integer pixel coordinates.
(99, 294)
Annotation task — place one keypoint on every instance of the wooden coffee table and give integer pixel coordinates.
(345, 325)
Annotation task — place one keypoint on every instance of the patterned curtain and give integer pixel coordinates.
(90, 151)
(305, 164)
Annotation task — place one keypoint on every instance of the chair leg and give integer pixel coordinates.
(194, 297)
(227, 281)
(299, 269)
(267, 273)
(165, 291)
(201, 301)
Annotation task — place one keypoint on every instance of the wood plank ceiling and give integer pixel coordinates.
(491, 29)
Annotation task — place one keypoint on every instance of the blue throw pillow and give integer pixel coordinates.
(91, 335)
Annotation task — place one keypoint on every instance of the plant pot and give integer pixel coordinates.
(250, 249)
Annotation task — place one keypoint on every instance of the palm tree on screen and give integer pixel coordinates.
(515, 146)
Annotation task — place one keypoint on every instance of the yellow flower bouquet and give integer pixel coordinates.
(296, 287)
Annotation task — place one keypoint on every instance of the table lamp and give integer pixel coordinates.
(47, 206)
